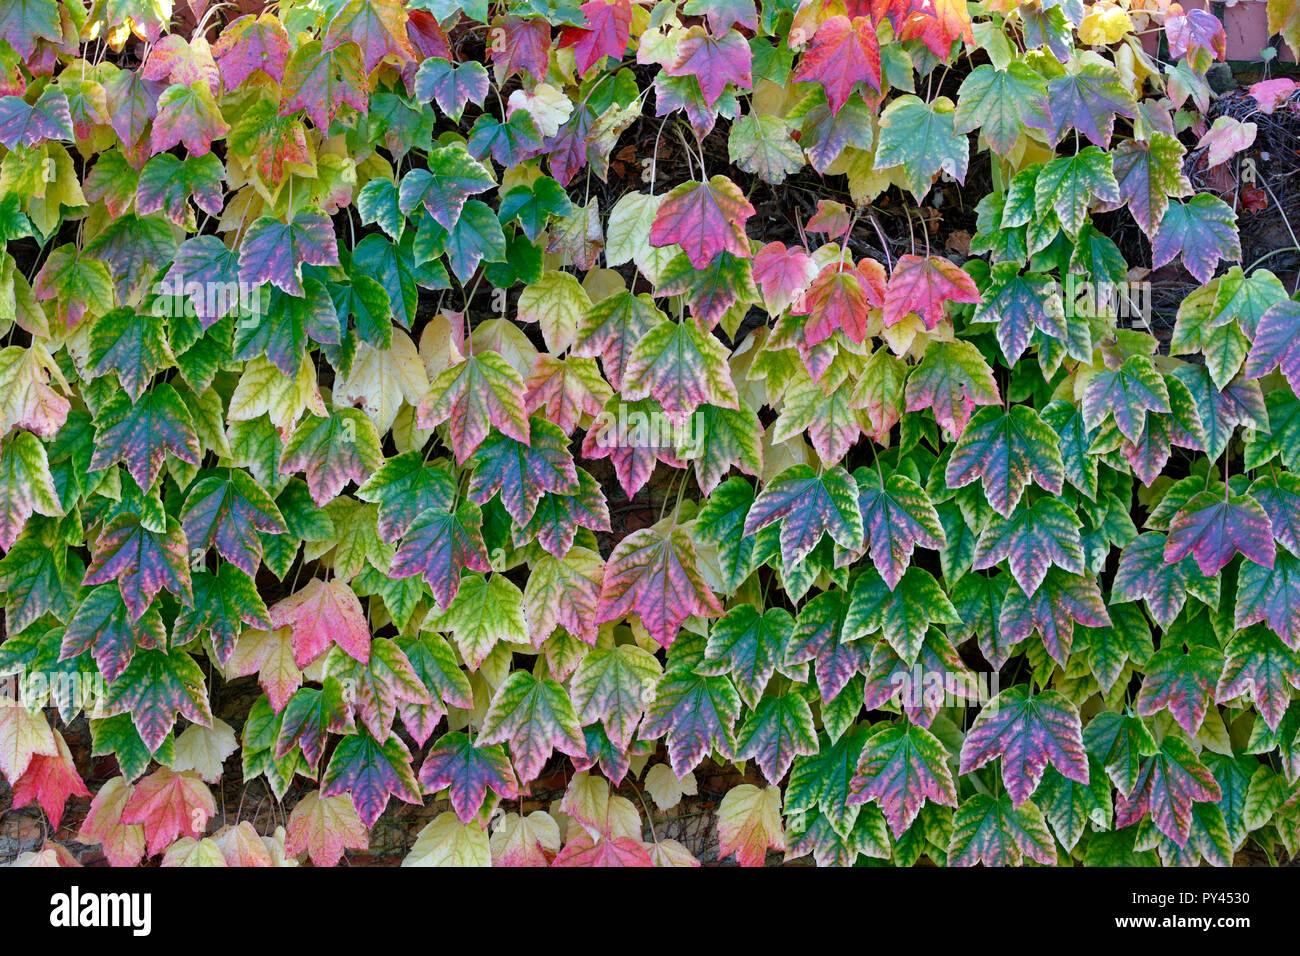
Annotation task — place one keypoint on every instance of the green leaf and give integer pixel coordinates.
(923, 139)
(534, 717)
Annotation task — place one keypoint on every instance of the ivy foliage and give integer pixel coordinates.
(519, 386)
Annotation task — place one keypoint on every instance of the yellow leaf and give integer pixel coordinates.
(381, 379)
(188, 851)
(204, 749)
(448, 842)
(1106, 24)
(666, 788)
(749, 823)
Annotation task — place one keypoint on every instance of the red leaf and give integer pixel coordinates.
(1214, 528)
(704, 219)
(652, 573)
(250, 44)
(49, 781)
(938, 23)
(924, 286)
(524, 46)
(715, 62)
(321, 614)
(608, 29)
(781, 274)
(839, 298)
(167, 805)
(618, 851)
(843, 53)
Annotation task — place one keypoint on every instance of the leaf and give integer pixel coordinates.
(1181, 683)
(1006, 451)
(249, 44)
(1000, 103)
(1282, 18)
(448, 842)
(951, 380)
(749, 823)
(103, 626)
(371, 772)
(440, 545)
(476, 237)
(205, 749)
(653, 573)
(154, 687)
(468, 771)
(902, 615)
(1126, 394)
(704, 218)
(612, 328)
(530, 840)
(534, 717)
(1170, 783)
(615, 686)
(564, 592)
(604, 33)
(167, 184)
(141, 435)
(842, 53)
(23, 736)
(762, 145)
(521, 472)
(695, 712)
(839, 299)
(816, 637)
(901, 767)
(323, 828)
(749, 646)
(1032, 539)
(1144, 575)
(715, 60)
(1022, 306)
(1028, 732)
(1148, 173)
(808, 506)
(1262, 669)
(188, 115)
(482, 390)
(404, 487)
(47, 119)
(123, 843)
(1202, 230)
(26, 486)
(275, 252)
(309, 717)
(1213, 528)
(1271, 595)
(484, 613)
(321, 82)
(998, 832)
(1274, 343)
(1052, 610)
(332, 451)
(779, 729)
(1088, 101)
(923, 285)
(142, 561)
(167, 804)
(227, 513)
(922, 138)
(26, 21)
(896, 516)
(322, 614)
